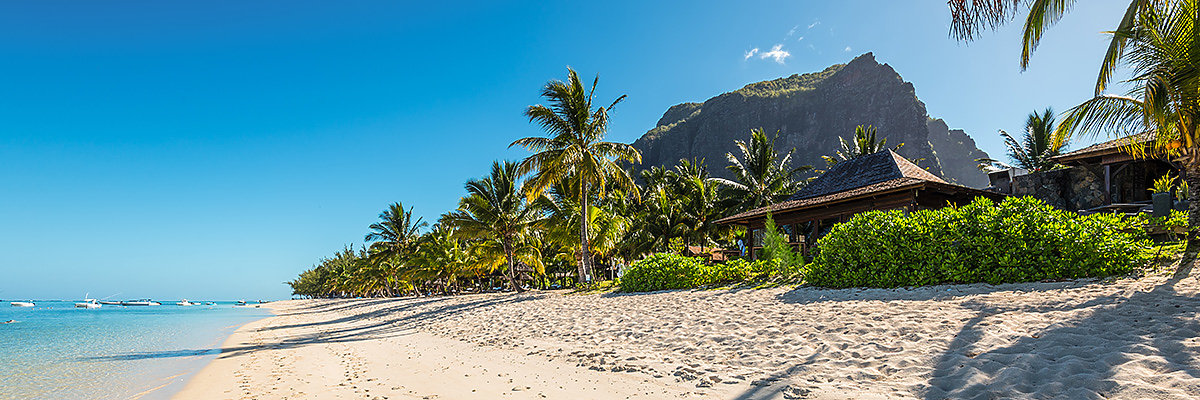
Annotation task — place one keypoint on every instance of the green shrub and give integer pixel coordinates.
(665, 271)
(1021, 239)
(1175, 220)
(776, 246)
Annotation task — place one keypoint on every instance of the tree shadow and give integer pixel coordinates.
(811, 294)
(381, 328)
(1076, 358)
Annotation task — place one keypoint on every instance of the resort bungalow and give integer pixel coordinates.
(880, 181)
(1100, 177)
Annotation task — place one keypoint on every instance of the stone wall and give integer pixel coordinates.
(1074, 189)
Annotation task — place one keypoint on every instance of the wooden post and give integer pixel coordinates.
(1107, 184)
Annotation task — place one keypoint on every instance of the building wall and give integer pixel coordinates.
(1074, 189)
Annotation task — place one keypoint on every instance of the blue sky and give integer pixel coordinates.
(215, 149)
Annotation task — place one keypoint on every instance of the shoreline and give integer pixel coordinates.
(172, 385)
(394, 363)
(1128, 337)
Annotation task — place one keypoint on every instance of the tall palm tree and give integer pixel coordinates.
(1039, 145)
(761, 176)
(1161, 49)
(864, 143)
(574, 150)
(495, 210)
(970, 17)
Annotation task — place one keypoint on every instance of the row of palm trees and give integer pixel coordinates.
(573, 203)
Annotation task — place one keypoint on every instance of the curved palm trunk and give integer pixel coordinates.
(510, 272)
(1192, 171)
(585, 267)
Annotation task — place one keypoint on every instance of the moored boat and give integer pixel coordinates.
(88, 303)
(21, 304)
(185, 302)
(141, 302)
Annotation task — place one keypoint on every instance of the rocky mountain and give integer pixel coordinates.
(810, 112)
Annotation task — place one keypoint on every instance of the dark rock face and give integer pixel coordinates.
(956, 152)
(810, 112)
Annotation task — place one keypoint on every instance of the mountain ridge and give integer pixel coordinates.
(810, 111)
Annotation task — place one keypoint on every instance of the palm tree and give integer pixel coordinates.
(441, 258)
(702, 203)
(864, 143)
(970, 17)
(761, 176)
(1162, 52)
(495, 211)
(574, 150)
(395, 232)
(392, 238)
(1037, 148)
(608, 220)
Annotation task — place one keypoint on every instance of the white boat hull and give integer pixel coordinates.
(21, 304)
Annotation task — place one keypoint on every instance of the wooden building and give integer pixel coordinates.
(1126, 180)
(880, 181)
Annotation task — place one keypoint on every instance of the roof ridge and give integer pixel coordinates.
(863, 171)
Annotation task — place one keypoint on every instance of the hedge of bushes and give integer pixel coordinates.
(1021, 239)
(665, 271)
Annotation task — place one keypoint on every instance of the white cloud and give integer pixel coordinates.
(777, 52)
(793, 30)
(800, 38)
(814, 24)
(751, 53)
(847, 48)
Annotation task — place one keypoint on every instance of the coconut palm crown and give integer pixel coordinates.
(1161, 50)
(761, 176)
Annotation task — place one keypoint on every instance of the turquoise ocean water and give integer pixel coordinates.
(57, 351)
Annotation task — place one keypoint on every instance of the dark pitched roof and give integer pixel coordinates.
(1103, 148)
(868, 175)
(875, 188)
(863, 171)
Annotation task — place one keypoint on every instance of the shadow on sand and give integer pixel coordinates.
(1074, 358)
(380, 328)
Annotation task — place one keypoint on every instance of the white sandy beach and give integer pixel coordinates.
(1125, 338)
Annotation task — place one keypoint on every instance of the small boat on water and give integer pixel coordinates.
(141, 302)
(209, 303)
(185, 302)
(109, 302)
(88, 302)
(21, 304)
(241, 302)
